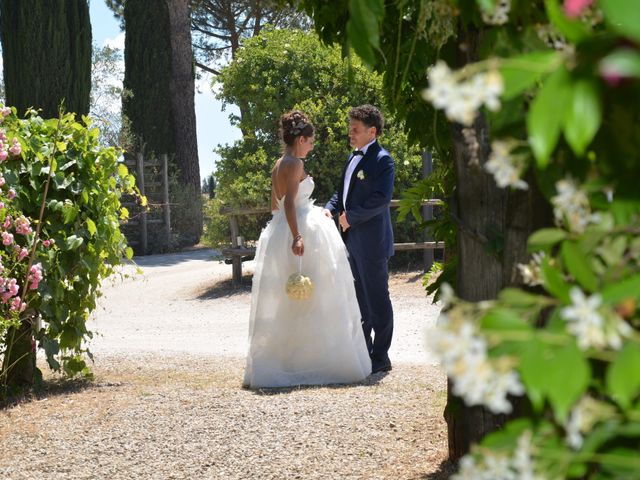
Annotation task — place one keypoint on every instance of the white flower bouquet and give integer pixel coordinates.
(299, 286)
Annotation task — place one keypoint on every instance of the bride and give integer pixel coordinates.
(313, 341)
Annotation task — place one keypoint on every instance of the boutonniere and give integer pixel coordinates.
(360, 175)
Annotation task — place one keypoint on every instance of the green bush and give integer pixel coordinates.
(63, 174)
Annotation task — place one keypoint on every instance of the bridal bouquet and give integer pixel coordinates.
(299, 287)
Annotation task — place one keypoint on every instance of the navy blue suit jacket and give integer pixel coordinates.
(367, 204)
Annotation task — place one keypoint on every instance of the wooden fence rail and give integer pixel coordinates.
(238, 250)
(152, 178)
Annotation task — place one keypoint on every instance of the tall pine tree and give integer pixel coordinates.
(46, 50)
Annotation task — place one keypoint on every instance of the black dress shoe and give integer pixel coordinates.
(377, 367)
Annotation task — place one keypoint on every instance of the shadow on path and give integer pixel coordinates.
(370, 381)
(225, 289)
(56, 387)
(445, 470)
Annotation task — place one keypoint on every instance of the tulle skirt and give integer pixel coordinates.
(304, 342)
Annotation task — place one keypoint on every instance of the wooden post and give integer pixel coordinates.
(237, 261)
(166, 208)
(143, 213)
(427, 210)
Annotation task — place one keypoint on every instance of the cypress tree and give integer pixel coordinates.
(46, 49)
(159, 103)
(147, 59)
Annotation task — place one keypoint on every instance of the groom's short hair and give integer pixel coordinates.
(369, 115)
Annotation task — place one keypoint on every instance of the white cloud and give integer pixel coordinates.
(117, 42)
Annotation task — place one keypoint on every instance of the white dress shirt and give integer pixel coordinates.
(353, 164)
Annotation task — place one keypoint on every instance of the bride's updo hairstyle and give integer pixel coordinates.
(294, 124)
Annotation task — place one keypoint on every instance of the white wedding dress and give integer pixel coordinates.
(304, 342)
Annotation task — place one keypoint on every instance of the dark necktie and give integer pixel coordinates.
(357, 152)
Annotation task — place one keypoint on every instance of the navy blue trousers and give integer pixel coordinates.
(372, 289)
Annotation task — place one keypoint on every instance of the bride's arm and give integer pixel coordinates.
(294, 173)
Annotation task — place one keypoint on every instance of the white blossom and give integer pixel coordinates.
(587, 412)
(467, 469)
(491, 85)
(571, 206)
(475, 378)
(531, 272)
(522, 461)
(500, 14)
(446, 295)
(501, 384)
(442, 85)
(585, 322)
(573, 428)
(463, 106)
(461, 99)
(503, 166)
(517, 465)
(591, 328)
(615, 329)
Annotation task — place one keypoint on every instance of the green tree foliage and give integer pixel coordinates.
(285, 69)
(106, 95)
(209, 186)
(219, 26)
(46, 51)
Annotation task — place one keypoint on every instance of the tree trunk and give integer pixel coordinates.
(46, 49)
(481, 211)
(493, 227)
(161, 110)
(20, 361)
(182, 88)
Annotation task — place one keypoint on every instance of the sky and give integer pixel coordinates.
(212, 123)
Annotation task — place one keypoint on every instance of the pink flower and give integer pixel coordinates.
(2, 181)
(9, 289)
(35, 276)
(18, 304)
(612, 70)
(7, 238)
(16, 148)
(575, 8)
(46, 243)
(5, 111)
(23, 225)
(7, 222)
(1, 205)
(11, 194)
(23, 253)
(3, 155)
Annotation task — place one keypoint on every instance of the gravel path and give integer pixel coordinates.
(167, 401)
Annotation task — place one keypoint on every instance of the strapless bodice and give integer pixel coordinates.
(303, 197)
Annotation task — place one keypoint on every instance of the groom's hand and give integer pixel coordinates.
(343, 222)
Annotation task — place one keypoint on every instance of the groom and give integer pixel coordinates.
(362, 202)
